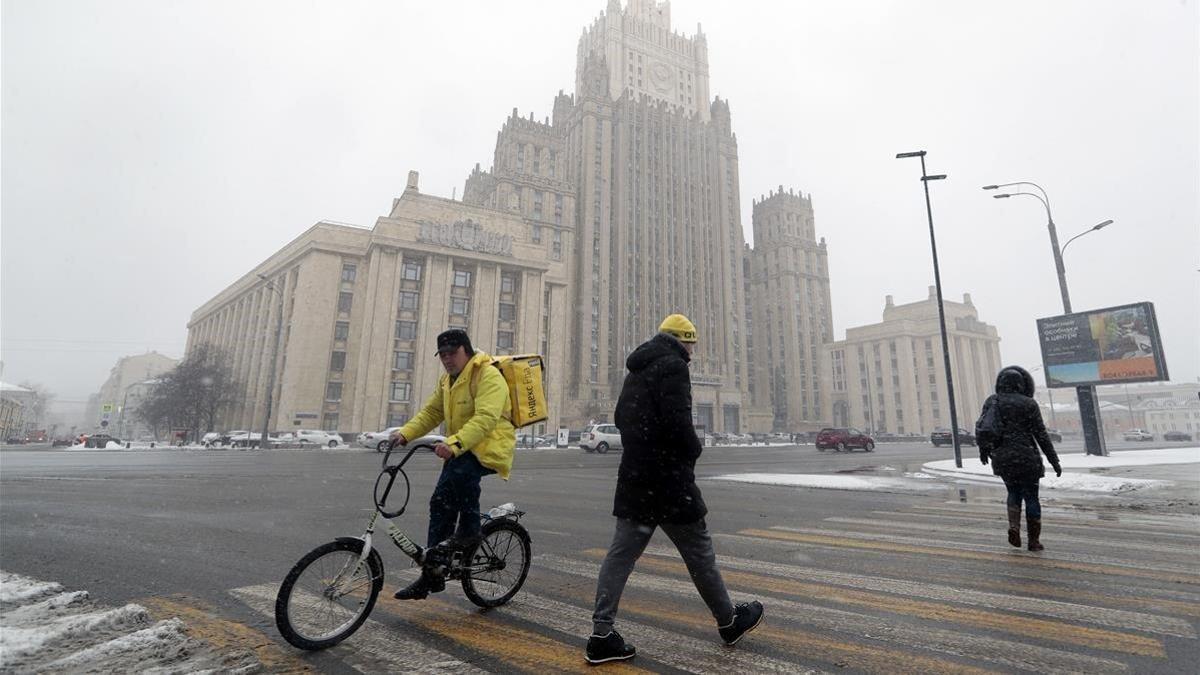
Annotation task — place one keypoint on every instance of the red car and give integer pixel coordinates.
(844, 439)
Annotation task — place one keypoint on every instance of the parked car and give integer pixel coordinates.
(941, 436)
(61, 443)
(379, 440)
(317, 437)
(1176, 436)
(844, 439)
(1138, 435)
(600, 437)
(100, 441)
(215, 438)
(240, 438)
(1055, 435)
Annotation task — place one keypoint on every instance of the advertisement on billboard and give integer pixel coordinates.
(1114, 345)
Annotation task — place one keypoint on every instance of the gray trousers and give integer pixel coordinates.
(630, 540)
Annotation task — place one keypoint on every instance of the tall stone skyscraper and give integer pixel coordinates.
(636, 178)
(789, 311)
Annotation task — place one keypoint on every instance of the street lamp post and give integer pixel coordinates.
(937, 280)
(1089, 412)
(274, 358)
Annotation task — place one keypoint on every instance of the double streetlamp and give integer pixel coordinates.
(274, 358)
(1088, 412)
(937, 280)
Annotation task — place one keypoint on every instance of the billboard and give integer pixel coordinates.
(1103, 346)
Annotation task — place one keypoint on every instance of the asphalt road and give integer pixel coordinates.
(914, 580)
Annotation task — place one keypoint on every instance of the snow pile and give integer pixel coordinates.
(810, 480)
(974, 470)
(44, 629)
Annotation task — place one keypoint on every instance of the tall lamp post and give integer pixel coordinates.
(937, 280)
(274, 358)
(1089, 412)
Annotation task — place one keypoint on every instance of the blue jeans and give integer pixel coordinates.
(1027, 491)
(456, 499)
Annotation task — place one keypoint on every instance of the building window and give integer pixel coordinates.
(459, 306)
(345, 301)
(412, 271)
(508, 311)
(556, 251)
(402, 360)
(409, 300)
(508, 282)
(537, 234)
(396, 419)
(504, 339)
(406, 330)
(337, 361)
(341, 330)
(333, 391)
(330, 422)
(349, 272)
(400, 391)
(520, 158)
(462, 278)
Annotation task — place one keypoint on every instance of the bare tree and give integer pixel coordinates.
(42, 397)
(192, 395)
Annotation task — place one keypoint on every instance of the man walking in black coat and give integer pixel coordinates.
(656, 487)
(1009, 432)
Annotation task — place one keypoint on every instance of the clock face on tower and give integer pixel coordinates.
(662, 77)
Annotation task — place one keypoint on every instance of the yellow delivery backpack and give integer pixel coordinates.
(525, 375)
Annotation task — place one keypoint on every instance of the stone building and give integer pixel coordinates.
(621, 207)
(890, 376)
(362, 308)
(789, 315)
(108, 403)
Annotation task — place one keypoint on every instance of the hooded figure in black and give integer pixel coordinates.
(1014, 454)
(656, 487)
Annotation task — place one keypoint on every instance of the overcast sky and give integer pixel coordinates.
(154, 152)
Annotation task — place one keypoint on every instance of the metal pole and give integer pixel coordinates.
(271, 372)
(937, 280)
(870, 399)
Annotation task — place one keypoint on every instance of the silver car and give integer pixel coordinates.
(380, 439)
(600, 438)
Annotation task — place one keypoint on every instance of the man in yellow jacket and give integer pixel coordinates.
(472, 399)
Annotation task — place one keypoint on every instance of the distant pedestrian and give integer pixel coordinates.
(1010, 431)
(656, 487)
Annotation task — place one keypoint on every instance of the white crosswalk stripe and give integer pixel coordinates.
(374, 647)
(1003, 652)
(990, 548)
(1114, 618)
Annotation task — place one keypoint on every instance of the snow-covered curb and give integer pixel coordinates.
(1087, 482)
(826, 481)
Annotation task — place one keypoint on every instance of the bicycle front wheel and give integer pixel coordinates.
(328, 594)
(497, 568)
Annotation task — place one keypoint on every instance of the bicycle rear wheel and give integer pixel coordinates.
(327, 594)
(496, 569)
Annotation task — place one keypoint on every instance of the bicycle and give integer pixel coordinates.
(330, 591)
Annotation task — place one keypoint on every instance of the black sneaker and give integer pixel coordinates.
(610, 647)
(421, 588)
(746, 617)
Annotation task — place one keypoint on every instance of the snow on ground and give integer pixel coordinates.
(974, 470)
(815, 480)
(44, 629)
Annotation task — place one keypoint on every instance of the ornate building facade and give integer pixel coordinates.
(622, 207)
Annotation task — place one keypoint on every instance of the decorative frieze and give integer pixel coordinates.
(467, 235)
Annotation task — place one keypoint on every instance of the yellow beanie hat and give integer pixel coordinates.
(679, 326)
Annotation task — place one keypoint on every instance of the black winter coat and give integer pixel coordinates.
(1015, 457)
(657, 482)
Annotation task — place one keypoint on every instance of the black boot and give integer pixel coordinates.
(421, 588)
(1035, 533)
(746, 617)
(1014, 526)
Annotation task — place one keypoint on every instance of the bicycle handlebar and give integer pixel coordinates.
(390, 472)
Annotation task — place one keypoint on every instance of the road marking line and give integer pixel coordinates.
(1005, 652)
(1114, 618)
(517, 648)
(1102, 527)
(674, 649)
(373, 645)
(224, 634)
(961, 552)
(1182, 568)
(1185, 526)
(1000, 528)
